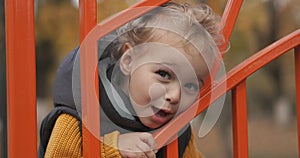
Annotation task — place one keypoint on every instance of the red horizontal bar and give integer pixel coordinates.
(127, 15)
(21, 78)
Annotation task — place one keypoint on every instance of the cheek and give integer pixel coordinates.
(186, 101)
(139, 89)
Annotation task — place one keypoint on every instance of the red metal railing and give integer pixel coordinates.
(229, 18)
(235, 80)
(21, 67)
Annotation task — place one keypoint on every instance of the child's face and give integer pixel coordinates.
(162, 81)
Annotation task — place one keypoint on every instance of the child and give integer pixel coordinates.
(150, 70)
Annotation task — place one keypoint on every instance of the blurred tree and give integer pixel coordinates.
(108, 8)
(57, 25)
(259, 24)
(57, 34)
(277, 20)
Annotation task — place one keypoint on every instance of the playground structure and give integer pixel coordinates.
(20, 37)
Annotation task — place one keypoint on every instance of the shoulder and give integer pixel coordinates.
(65, 139)
(191, 150)
(59, 119)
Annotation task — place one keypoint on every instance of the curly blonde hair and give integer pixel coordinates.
(192, 24)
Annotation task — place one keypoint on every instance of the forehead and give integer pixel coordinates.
(194, 43)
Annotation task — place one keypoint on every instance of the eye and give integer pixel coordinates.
(164, 74)
(192, 87)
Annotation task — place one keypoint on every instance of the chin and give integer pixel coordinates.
(154, 126)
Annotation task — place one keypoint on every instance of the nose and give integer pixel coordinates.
(173, 93)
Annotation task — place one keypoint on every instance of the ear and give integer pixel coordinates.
(126, 47)
(126, 60)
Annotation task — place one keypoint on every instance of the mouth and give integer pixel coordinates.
(161, 116)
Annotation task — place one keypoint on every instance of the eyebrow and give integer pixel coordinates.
(166, 63)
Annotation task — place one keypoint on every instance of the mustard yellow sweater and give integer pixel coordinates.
(65, 141)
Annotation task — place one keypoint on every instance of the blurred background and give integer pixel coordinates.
(271, 91)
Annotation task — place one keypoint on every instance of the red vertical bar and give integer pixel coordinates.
(297, 75)
(87, 16)
(172, 149)
(239, 121)
(91, 143)
(21, 78)
(229, 17)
